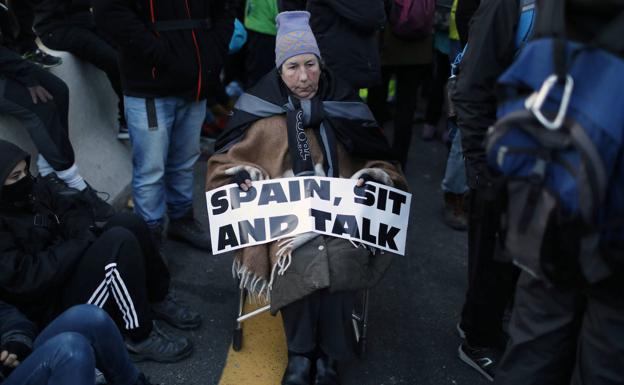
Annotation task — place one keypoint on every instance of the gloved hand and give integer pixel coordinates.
(244, 175)
(78, 224)
(372, 175)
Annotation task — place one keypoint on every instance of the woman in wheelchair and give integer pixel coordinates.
(301, 120)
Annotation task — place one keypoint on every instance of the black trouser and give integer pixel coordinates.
(259, 58)
(408, 81)
(441, 73)
(86, 44)
(322, 320)
(490, 281)
(122, 272)
(46, 122)
(562, 336)
(25, 15)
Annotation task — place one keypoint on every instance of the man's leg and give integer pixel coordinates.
(103, 336)
(66, 358)
(258, 63)
(600, 353)
(454, 184)
(149, 122)
(490, 285)
(183, 153)
(408, 81)
(164, 303)
(87, 45)
(45, 122)
(543, 335)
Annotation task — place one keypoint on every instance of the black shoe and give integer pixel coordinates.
(102, 211)
(176, 314)
(159, 346)
(188, 229)
(42, 59)
(298, 371)
(326, 371)
(143, 380)
(58, 187)
(481, 359)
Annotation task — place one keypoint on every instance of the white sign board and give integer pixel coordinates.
(374, 214)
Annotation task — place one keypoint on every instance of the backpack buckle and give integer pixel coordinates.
(536, 100)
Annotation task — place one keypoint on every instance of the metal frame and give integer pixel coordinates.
(360, 321)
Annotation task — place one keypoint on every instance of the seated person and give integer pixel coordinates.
(68, 25)
(40, 101)
(66, 352)
(53, 257)
(312, 278)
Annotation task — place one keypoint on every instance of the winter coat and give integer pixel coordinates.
(41, 241)
(261, 143)
(157, 59)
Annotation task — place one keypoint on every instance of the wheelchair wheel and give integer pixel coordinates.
(237, 338)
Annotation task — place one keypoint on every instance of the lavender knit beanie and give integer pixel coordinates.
(294, 36)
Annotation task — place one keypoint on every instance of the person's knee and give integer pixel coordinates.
(120, 236)
(74, 347)
(89, 315)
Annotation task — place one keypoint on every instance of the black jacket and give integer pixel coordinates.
(491, 49)
(346, 32)
(52, 14)
(180, 62)
(16, 332)
(41, 241)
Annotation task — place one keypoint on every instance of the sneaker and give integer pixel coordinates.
(188, 229)
(123, 133)
(42, 59)
(460, 331)
(428, 131)
(454, 213)
(176, 313)
(57, 186)
(481, 359)
(159, 346)
(102, 211)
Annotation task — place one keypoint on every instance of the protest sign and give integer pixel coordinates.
(374, 214)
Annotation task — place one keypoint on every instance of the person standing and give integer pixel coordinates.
(171, 55)
(261, 30)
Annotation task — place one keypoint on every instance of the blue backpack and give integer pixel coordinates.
(559, 143)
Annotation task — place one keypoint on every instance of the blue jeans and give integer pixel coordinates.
(68, 350)
(455, 174)
(163, 155)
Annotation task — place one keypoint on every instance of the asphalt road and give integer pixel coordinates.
(414, 310)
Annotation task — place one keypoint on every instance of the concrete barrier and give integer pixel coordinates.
(104, 161)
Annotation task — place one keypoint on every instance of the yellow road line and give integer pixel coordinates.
(263, 358)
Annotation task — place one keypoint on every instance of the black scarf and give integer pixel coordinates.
(336, 113)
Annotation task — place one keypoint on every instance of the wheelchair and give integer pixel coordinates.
(359, 319)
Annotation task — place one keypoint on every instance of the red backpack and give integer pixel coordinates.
(412, 19)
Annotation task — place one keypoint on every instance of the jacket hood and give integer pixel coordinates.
(10, 155)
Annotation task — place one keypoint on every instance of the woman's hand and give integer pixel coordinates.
(244, 175)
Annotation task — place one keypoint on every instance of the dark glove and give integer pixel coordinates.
(20, 349)
(78, 224)
(369, 178)
(240, 177)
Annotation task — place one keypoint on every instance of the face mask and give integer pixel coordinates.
(18, 191)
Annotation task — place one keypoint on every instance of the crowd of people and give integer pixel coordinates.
(248, 74)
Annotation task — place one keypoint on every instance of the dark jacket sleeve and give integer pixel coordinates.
(25, 275)
(14, 67)
(491, 48)
(465, 10)
(120, 21)
(15, 330)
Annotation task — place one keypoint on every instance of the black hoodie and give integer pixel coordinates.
(35, 259)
